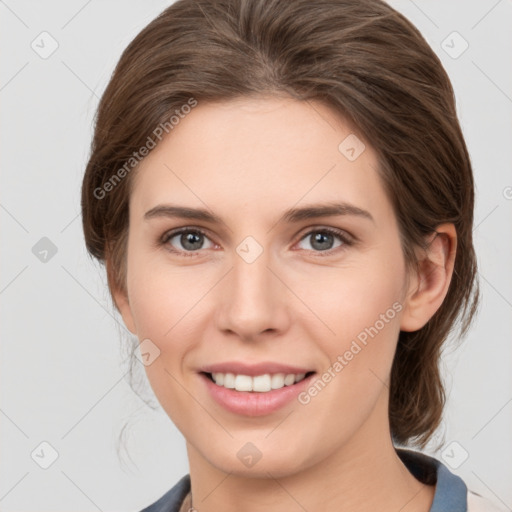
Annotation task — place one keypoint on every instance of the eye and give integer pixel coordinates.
(323, 239)
(190, 240)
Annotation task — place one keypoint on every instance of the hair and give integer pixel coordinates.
(362, 59)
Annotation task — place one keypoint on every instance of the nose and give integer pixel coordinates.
(253, 300)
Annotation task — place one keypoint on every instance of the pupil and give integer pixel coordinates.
(322, 238)
(189, 239)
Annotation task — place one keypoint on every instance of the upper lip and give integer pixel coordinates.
(241, 368)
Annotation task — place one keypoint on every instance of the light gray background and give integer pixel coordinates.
(62, 376)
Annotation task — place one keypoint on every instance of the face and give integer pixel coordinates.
(260, 284)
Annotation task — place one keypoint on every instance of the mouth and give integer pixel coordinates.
(263, 383)
(260, 394)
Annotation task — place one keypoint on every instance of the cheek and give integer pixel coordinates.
(365, 317)
(349, 300)
(360, 311)
(162, 296)
(162, 302)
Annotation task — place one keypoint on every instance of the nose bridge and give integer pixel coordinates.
(252, 302)
(251, 278)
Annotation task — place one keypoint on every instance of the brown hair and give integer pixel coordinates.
(366, 62)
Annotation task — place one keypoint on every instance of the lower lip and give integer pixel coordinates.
(253, 403)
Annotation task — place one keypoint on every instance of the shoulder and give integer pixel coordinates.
(477, 503)
(171, 501)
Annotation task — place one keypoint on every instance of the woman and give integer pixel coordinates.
(283, 199)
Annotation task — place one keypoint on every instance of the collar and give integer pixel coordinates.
(451, 492)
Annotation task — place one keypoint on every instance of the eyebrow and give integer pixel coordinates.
(293, 215)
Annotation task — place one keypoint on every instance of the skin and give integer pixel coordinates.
(248, 161)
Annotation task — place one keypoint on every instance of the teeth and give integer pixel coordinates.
(243, 383)
(259, 383)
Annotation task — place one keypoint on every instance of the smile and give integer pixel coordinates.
(258, 383)
(254, 395)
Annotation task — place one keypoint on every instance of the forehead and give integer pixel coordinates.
(257, 155)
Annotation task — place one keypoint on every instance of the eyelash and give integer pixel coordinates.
(348, 241)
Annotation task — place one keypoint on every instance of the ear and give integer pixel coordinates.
(120, 298)
(429, 286)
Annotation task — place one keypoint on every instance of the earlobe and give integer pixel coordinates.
(429, 286)
(121, 300)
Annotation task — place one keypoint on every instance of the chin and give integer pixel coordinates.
(246, 460)
(261, 469)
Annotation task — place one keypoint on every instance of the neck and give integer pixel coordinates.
(364, 475)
